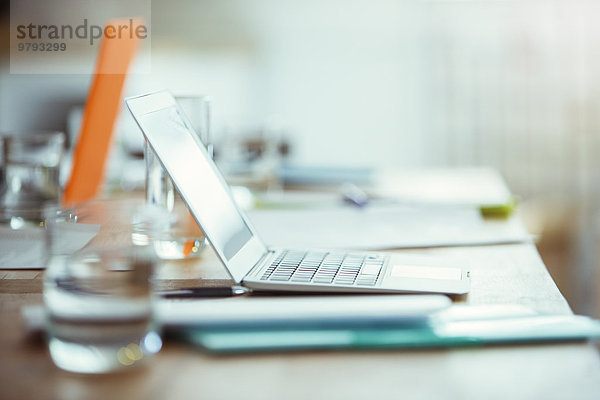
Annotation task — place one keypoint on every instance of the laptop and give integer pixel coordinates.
(245, 256)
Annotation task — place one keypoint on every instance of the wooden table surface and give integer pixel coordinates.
(501, 274)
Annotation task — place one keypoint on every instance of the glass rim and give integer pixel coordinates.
(33, 135)
(132, 213)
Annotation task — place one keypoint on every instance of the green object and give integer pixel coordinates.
(500, 210)
(434, 334)
(279, 340)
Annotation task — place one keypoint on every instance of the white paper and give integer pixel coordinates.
(384, 227)
(25, 248)
(324, 309)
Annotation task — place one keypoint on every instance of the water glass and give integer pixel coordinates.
(183, 238)
(98, 299)
(29, 172)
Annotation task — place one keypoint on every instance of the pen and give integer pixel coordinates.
(199, 292)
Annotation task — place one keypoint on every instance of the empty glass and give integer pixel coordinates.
(29, 172)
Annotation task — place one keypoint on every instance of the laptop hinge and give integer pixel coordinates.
(260, 263)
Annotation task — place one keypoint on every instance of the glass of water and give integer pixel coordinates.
(183, 238)
(29, 172)
(98, 298)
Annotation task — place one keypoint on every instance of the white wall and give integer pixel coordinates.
(342, 77)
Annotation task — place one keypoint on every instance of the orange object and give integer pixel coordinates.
(188, 246)
(100, 115)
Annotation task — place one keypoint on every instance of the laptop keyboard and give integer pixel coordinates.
(325, 268)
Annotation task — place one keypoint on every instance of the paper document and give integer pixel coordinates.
(25, 248)
(299, 310)
(384, 227)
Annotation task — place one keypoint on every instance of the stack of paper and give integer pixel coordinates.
(384, 227)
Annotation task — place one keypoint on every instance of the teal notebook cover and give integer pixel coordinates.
(435, 334)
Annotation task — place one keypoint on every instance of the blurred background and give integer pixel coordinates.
(507, 84)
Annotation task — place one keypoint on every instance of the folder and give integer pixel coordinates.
(481, 326)
(100, 115)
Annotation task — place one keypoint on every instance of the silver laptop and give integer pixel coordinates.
(247, 259)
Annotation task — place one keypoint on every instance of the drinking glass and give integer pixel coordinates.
(98, 299)
(183, 238)
(29, 172)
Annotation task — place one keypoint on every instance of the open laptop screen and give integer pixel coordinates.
(194, 174)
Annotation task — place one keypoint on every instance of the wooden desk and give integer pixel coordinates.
(500, 274)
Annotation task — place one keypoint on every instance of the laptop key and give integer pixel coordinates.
(365, 283)
(370, 270)
(301, 278)
(322, 280)
(309, 274)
